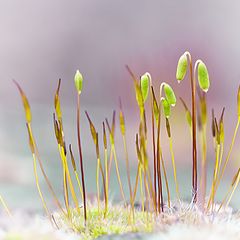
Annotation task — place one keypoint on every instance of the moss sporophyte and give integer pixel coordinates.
(78, 213)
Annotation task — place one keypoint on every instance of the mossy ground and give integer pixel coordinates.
(181, 221)
(117, 220)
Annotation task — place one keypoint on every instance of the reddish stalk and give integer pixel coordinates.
(154, 147)
(194, 127)
(159, 177)
(154, 159)
(81, 158)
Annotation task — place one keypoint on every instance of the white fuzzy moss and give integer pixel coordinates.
(180, 217)
(22, 226)
(181, 222)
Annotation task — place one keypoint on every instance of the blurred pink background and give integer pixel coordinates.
(42, 41)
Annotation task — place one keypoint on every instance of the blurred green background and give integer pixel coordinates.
(42, 41)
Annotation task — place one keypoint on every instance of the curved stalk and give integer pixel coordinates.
(36, 155)
(160, 149)
(38, 187)
(194, 125)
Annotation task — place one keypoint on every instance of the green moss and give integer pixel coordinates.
(116, 221)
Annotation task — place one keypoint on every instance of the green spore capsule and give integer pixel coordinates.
(169, 93)
(182, 67)
(203, 78)
(145, 79)
(78, 81)
(166, 107)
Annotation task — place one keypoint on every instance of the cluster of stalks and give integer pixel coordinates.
(150, 180)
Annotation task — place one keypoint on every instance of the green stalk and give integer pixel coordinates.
(66, 170)
(36, 155)
(172, 157)
(141, 190)
(97, 183)
(136, 181)
(102, 174)
(203, 135)
(106, 178)
(204, 162)
(229, 153)
(166, 181)
(33, 145)
(231, 190)
(38, 187)
(65, 185)
(105, 164)
(113, 150)
(75, 171)
(118, 174)
(174, 167)
(213, 187)
(234, 188)
(141, 169)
